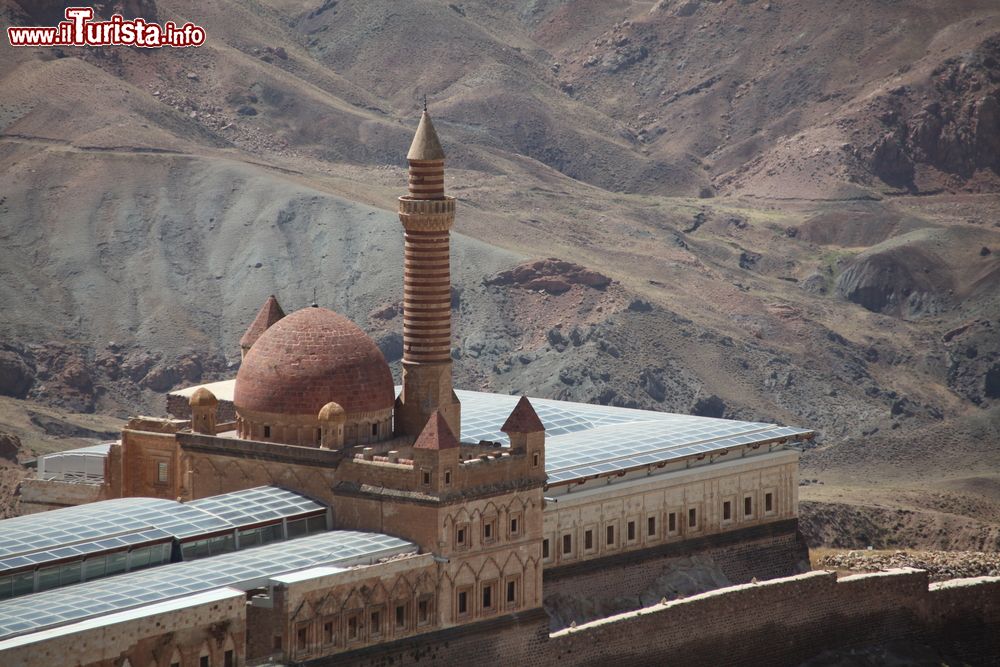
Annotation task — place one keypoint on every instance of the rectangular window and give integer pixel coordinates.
(229, 659)
(748, 506)
(447, 477)
(534, 460)
(588, 540)
(353, 627)
(651, 526)
(301, 638)
(631, 531)
(427, 478)
(463, 603)
(768, 502)
(161, 472)
(24, 583)
(276, 643)
(375, 622)
(692, 518)
(204, 661)
(424, 610)
(329, 636)
(512, 592)
(487, 596)
(461, 535)
(672, 523)
(489, 529)
(374, 429)
(515, 525)
(567, 544)
(610, 537)
(727, 511)
(401, 616)
(545, 548)
(267, 431)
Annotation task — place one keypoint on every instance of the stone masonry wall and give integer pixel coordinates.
(776, 622)
(763, 552)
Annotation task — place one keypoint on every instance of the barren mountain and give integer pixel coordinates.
(785, 211)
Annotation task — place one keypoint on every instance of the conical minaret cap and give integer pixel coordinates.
(426, 145)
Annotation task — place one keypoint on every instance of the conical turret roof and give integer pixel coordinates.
(523, 419)
(426, 145)
(436, 434)
(268, 314)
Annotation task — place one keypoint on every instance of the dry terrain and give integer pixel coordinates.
(783, 211)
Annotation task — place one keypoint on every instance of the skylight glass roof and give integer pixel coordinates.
(241, 569)
(34, 539)
(256, 505)
(583, 440)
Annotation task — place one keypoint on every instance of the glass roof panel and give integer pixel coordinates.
(241, 569)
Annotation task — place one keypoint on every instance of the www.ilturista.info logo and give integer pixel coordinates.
(79, 30)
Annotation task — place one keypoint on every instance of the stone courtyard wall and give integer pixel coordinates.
(777, 622)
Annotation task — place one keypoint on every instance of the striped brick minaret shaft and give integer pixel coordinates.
(427, 215)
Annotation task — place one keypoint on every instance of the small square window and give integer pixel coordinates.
(489, 529)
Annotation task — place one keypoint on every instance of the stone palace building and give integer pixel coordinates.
(311, 512)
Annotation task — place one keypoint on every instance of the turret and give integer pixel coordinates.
(331, 426)
(527, 436)
(204, 411)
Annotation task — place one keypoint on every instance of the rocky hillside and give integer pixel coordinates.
(764, 210)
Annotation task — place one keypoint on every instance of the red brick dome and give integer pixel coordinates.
(308, 359)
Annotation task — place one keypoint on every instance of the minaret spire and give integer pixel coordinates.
(427, 214)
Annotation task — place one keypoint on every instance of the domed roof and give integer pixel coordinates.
(202, 398)
(308, 359)
(332, 412)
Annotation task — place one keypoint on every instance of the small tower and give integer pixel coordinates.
(331, 426)
(435, 455)
(204, 409)
(268, 314)
(427, 214)
(527, 436)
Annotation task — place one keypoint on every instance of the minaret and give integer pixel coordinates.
(427, 214)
